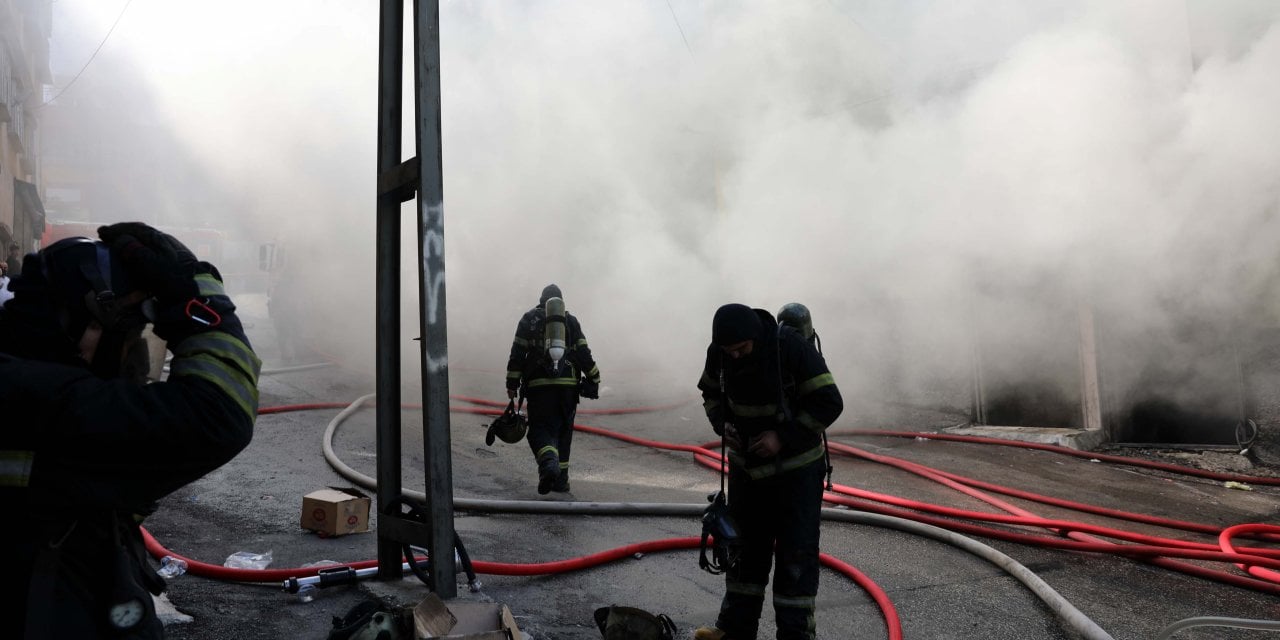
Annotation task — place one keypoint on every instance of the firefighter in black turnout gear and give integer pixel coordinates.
(768, 392)
(86, 448)
(550, 366)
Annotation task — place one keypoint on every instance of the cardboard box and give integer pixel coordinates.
(463, 620)
(335, 511)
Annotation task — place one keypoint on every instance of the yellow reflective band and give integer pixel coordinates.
(563, 465)
(782, 466)
(752, 410)
(594, 372)
(513, 375)
(216, 371)
(553, 382)
(809, 422)
(521, 342)
(582, 342)
(814, 383)
(15, 468)
(707, 381)
(744, 588)
(209, 286)
(225, 346)
(546, 449)
(795, 602)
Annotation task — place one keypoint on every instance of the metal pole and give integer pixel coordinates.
(390, 76)
(431, 290)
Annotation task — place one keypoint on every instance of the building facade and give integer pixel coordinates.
(25, 28)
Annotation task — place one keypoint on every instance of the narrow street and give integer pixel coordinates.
(939, 591)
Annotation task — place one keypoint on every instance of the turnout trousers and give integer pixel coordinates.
(551, 413)
(779, 518)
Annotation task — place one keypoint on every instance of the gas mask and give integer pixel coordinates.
(726, 547)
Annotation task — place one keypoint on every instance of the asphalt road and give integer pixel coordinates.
(940, 592)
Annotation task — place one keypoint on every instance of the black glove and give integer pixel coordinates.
(167, 269)
(589, 390)
(159, 261)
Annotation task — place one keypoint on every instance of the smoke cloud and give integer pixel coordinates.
(933, 179)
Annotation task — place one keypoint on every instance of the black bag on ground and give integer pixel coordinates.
(629, 623)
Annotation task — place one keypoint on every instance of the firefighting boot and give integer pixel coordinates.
(562, 483)
(710, 633)
(548, 473)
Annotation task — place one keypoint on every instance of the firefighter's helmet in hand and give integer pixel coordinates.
(509, 427)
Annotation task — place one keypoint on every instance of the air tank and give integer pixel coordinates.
(555, 330)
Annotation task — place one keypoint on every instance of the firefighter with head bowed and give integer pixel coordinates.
(768, 393)
(88, 447)
(550, 366)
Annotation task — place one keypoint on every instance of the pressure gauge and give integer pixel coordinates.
(127, 614)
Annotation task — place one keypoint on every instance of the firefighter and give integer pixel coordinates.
(87, 449)
(768, 393)
(551, 366)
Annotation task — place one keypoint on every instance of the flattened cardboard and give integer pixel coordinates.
(463, 620)
(336, 511)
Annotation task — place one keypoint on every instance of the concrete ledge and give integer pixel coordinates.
(1079, 439)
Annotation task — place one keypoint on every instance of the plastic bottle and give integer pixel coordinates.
(171, 567)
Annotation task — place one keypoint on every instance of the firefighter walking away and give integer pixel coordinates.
(550, 366)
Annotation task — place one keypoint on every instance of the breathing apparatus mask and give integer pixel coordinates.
(74, 299)
(725, 546)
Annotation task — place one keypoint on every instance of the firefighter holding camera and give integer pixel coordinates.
(767, 391)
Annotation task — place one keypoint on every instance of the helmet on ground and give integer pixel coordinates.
(630, 623)
(796, 316)
(509, 427)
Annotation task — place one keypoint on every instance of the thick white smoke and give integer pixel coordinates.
(924, 175)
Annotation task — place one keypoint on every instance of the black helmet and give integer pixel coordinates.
(796, 316)
(548, 292)
(508, 427)
(62, 289)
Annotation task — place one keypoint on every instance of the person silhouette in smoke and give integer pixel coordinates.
(551, 380)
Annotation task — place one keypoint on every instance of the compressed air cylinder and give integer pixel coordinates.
(554, 330)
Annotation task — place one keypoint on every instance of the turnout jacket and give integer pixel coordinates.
(783, 385)
(529, 366)
(83, 458)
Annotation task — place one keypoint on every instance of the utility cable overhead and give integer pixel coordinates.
(678, 27)
(91, 57)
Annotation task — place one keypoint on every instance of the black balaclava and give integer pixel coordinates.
(548, 292)
(734, 323)
(50, 311)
